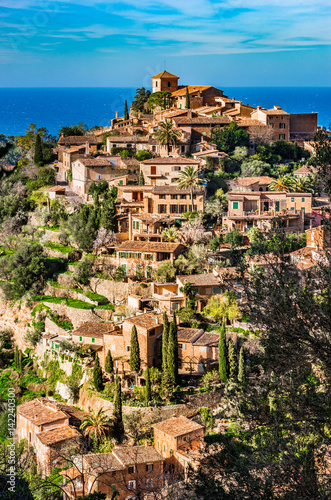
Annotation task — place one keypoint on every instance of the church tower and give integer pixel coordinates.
(165, 82)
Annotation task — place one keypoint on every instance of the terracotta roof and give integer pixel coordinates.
(100, 462)
(202, 120)
(57, 435)
(175, 190)
(41, 411)
(78, 139)
(147, 320)
(305, 169)
(56, 189)
(130, 455)
(191, 89)
(128, 138)
(93, 329)
(177, 426)
(164, 74)
(150, 246)
(94, 162)
(247, 181)
(208, 339)
(274, 111)
(199, 279)
(188, 334)
(74, 149)
(176, 160)
(132, 189)
(246, 122)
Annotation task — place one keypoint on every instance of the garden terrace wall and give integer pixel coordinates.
(17, 318)
(116, 291)
(80, 316)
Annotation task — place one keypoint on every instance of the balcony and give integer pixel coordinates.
(270, 214)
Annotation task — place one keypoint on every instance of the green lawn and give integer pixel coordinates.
(75, 303)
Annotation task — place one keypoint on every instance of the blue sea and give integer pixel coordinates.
(54, 107)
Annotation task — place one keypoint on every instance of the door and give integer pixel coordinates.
(153, 170)
(266, 206)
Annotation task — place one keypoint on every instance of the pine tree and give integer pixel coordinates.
(109, 363)
(148, 385)
(222, 355)
(242, 371)
(126, 112)
(118, 427)
(232, 358)
(165, 336)
(172, 355)
(134, 351)
(141, 180)
(187, 104)
(97, 374)
(38, 151)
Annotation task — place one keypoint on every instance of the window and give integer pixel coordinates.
(282, 125)
(173, 196)
(203, 348)
(156, 84)
(158, 444)
(175, 306)
(162, 209)
(183, 346)
(235, 205)
(93, 340)
(30, 437)
(162, 197)
(277, 206)
(99, 177)
(120, 183)
(131, 469)
(164, 448)
(303, 200)
(80, 339)
(137, 224)
(132, 485)
(292, 208)
(216, 290)
(127, 348)
(182, 196)
(169, 84)
(151, 332)
(292, 200)
(303, 209)
(149, 467)
(134, 225)
(282, 136)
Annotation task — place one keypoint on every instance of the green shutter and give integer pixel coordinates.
(235, 205)
(137, 224)
(81, 339)
(93, 340)
(134, 225)
(303, 200)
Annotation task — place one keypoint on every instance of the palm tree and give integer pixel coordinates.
(95, 425)
(167, 135)
(302, 185)
(189, 179)
(283, 183)
(170, 234)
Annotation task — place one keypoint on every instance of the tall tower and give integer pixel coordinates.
(164, 82)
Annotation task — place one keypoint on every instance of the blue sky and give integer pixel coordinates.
(113, 44)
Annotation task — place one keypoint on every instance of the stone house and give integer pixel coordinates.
(142, 257)
(203, 286)
(260, 209)
(85, 171)
(164, 82)
(260, 183)
(303, 127)
(161, 171)
(68, 155)
(200, 95)
(277, 119)
(133, 143)
(305, 171)
(89, 142)
(48, 426)
(201, 126)
(55, 192)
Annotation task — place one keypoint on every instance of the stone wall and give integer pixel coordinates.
(16, 317)
(189, 409)
(118, 292)
(80, 316)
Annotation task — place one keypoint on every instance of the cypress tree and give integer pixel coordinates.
(172, 354)
(187, 104)
(174, 321)
(126, 112)
(118, 427)
(16, 358)
(141, 180)
(134, 351)
(241, 372)
(232, 358)
(222, 355)
(109, 217)
(97, 374)
(148, 385)
(109, 363)
(165, 336)
(20, 358)
(38, 150)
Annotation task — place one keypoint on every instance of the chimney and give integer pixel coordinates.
(87, 148)
(258, 107)
(116, 114)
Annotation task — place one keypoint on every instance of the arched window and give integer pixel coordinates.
(169, 84)
(156, 84)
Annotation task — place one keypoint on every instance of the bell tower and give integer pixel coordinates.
(164, 82)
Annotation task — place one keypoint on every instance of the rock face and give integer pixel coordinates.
(18, 319)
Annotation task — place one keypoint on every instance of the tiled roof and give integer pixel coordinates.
(95, 162)
(128, 138)
(247, 181)
(93, 329)
(177, 426)
(305, 169)
(202, 120)
(78, 139)
(147, 320)
(57, 435)
(41, 411)
(174, 190)
(150, 246)
(176, 160)
(191, 89)
(188, 334)
(165, 74)
(56, 189)
(132, 189)
(199, 279)
(208, 339)
(101, 462)
(274, 111)
(131, 455)
(246, 122)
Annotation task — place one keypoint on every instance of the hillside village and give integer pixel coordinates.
(143, 271)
